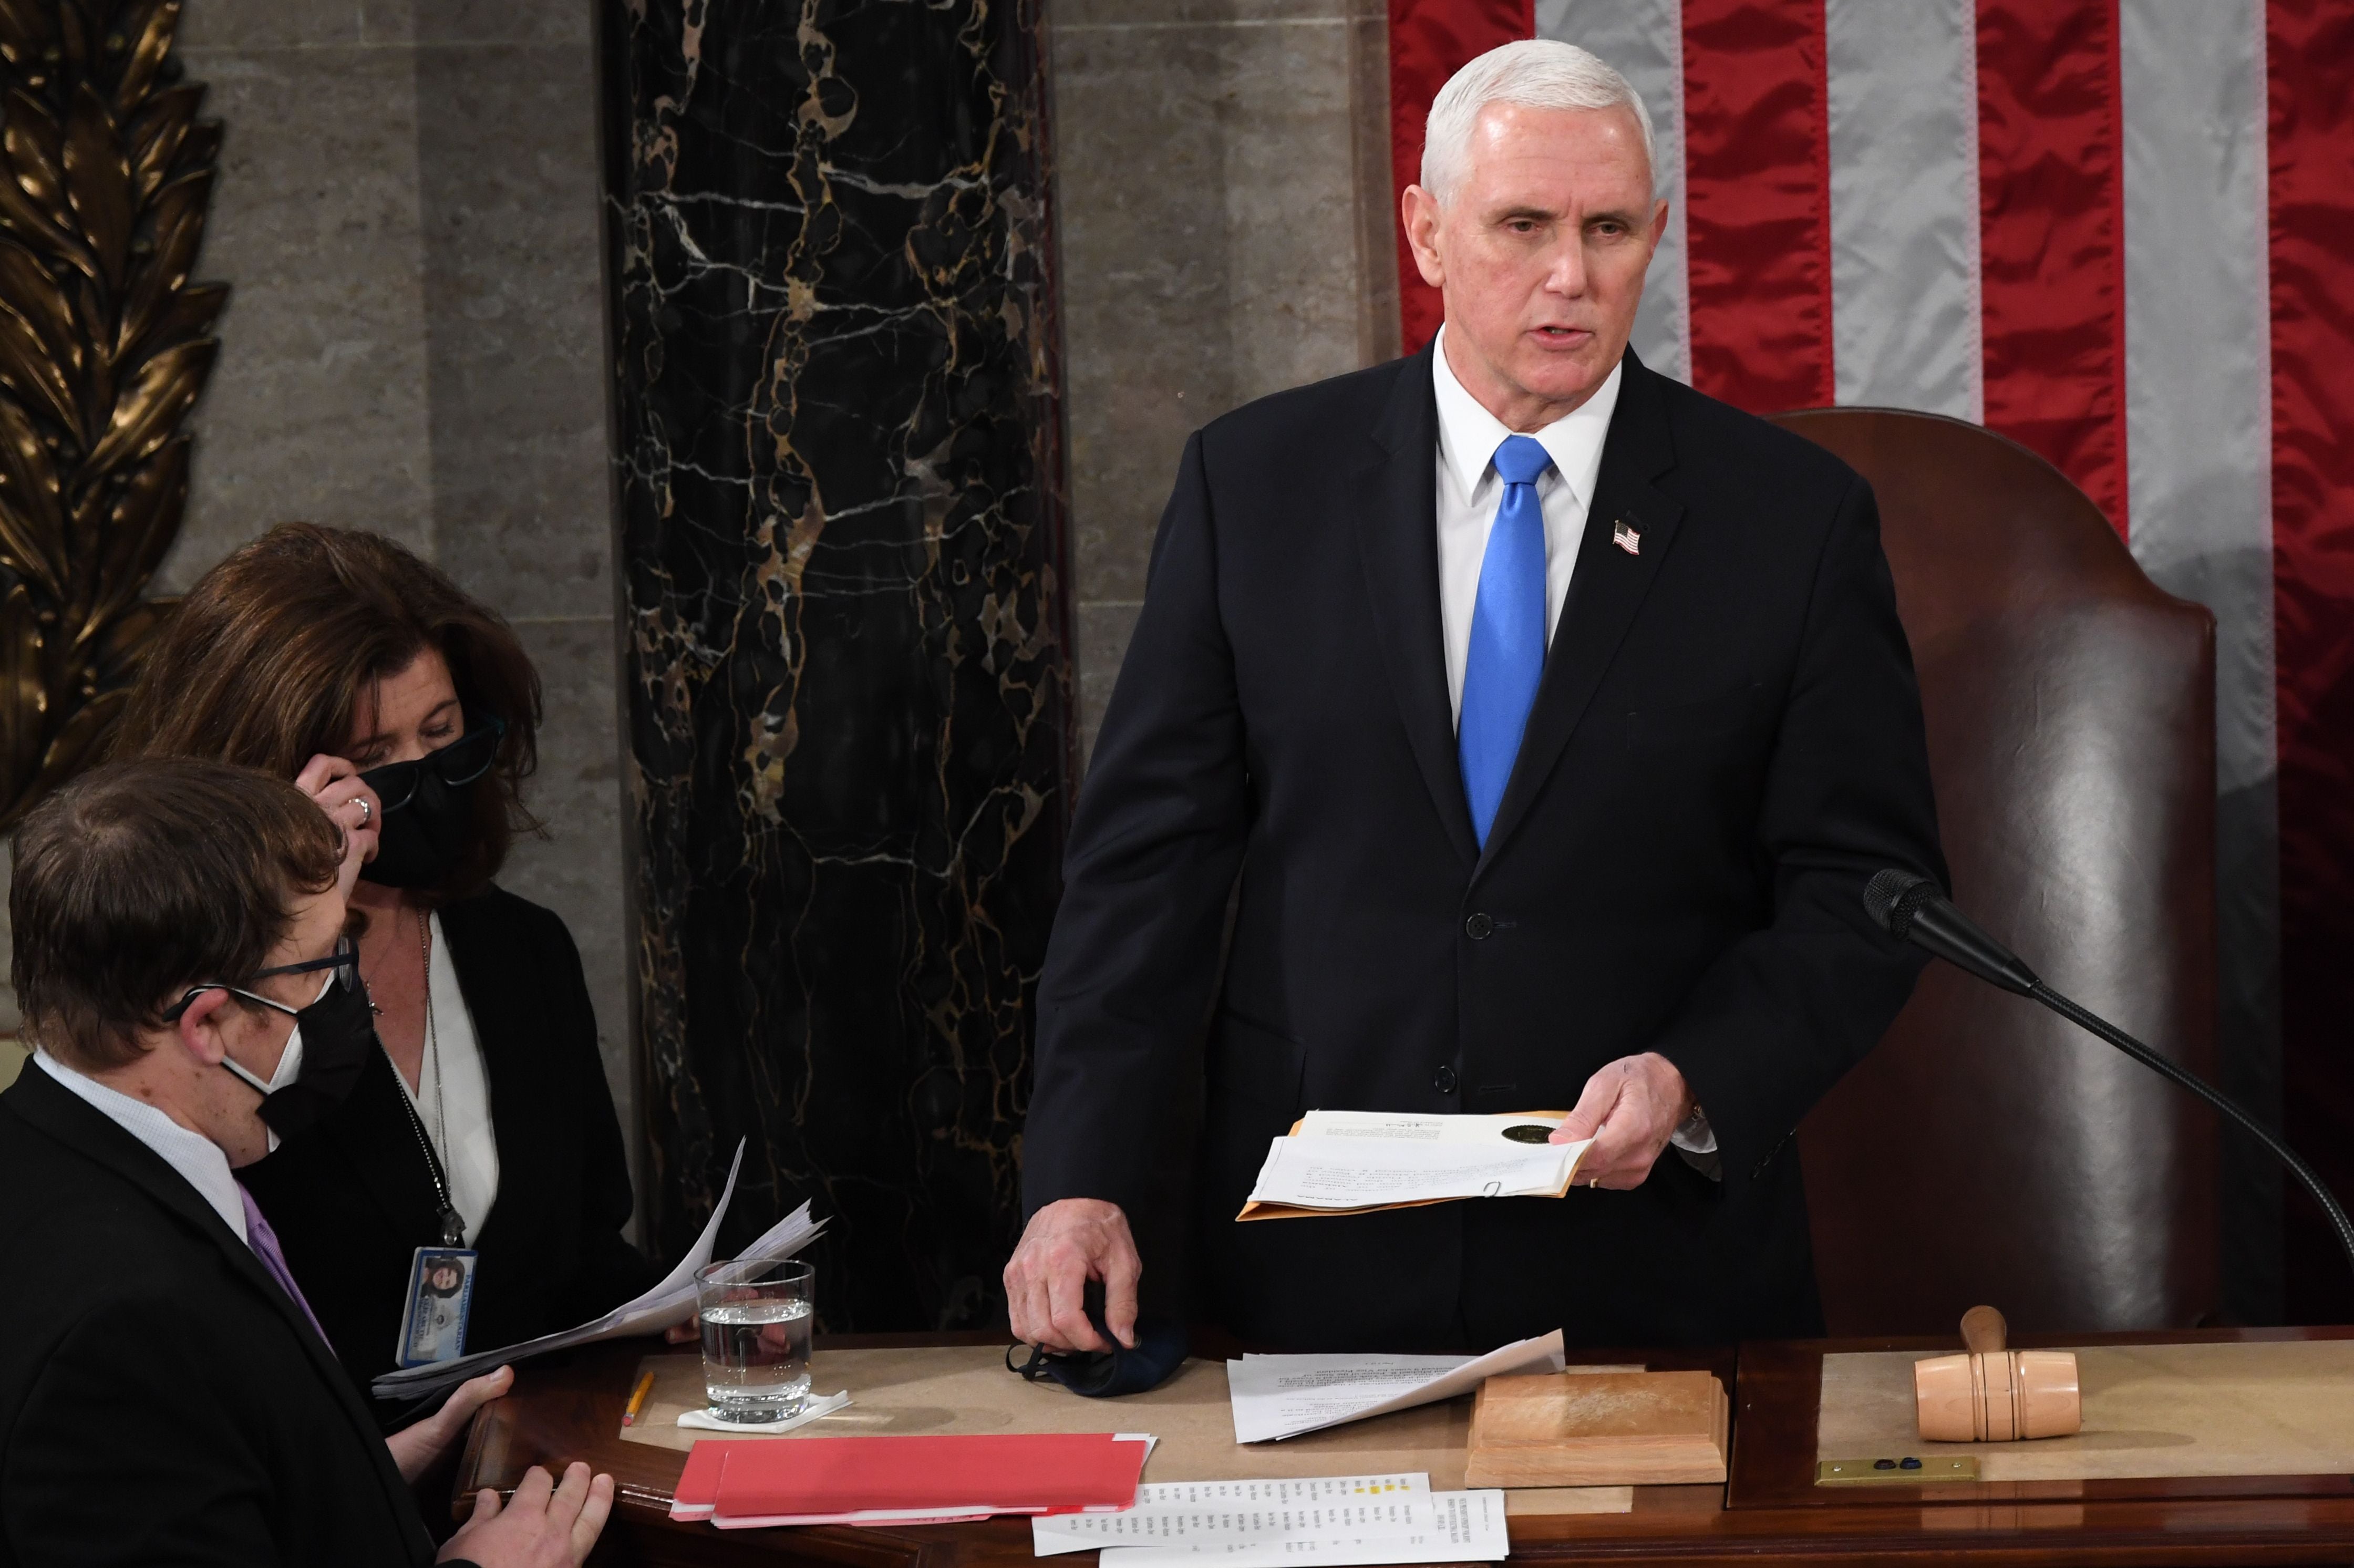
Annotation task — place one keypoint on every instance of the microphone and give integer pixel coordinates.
(1915, 909)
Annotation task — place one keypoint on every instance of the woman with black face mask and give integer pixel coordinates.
(407, 710)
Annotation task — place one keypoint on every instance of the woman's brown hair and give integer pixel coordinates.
(265, 659)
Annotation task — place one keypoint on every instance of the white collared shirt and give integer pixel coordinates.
(1470, 492)
(456, 1107)
(196, 1157)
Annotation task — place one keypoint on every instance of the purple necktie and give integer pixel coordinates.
(264, 1242)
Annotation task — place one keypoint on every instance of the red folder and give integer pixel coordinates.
(810, 1480)
(699, 1484)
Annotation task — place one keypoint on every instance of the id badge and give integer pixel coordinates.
(433, 1317)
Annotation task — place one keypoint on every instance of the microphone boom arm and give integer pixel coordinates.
(1913, 908)
(2094, 1023)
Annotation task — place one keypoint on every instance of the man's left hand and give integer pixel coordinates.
(414, 1448)
(1629, 1108)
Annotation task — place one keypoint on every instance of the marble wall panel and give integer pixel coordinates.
(515, 362)
(845, 668)
(318, 408)
(1222, 186)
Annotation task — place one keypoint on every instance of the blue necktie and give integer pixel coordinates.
(1508, 635)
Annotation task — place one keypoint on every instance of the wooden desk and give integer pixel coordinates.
(570, 1409)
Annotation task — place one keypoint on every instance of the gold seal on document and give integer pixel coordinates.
(1529, 1132)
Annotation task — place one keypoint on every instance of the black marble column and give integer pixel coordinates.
(845, 655)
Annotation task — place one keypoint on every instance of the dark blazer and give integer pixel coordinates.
(352, 1199)
(162, 1400)
(1726, 745)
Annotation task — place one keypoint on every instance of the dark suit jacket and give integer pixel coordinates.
(352, 1199)
(1726, 745)
(162, 1400)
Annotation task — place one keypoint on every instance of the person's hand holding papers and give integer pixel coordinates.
(417, 1446)
(1628, 1110)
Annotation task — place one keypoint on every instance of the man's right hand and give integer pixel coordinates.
(1068, 1242)
(543, 1526)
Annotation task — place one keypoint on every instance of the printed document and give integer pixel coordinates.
(1226, 1513)
(1333, 1521)
(672, 1301)
(1344, 1161)
(1283, 1396)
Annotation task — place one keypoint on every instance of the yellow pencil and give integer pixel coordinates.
(638, 1399)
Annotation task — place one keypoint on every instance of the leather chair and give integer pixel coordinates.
(1989, 1151)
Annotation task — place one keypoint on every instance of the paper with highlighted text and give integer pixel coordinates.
(1339, 1521)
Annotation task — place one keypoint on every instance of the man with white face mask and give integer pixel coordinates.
(166, 1394)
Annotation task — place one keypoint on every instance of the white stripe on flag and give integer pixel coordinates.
(2199, 457)
(1902, 83)
(1644, 40)
(2198, 324)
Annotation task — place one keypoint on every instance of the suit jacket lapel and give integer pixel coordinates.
(1395, 497)
(48, 1106)
(1605, 592)
(372, 1133)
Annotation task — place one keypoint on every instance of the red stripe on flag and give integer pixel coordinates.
(1757, 202)
(2051, 236)
(2310, 47)
(1430, 40)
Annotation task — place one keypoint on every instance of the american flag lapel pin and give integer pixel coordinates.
(1624, 534)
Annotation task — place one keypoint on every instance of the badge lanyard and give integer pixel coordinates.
(434, 1318)
(454, 1225)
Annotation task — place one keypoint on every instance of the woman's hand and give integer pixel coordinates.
(350, 805)
(414, 1448)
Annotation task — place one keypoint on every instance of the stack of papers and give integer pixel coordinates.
(672, 1301)
(751, 1484)
(1333, 1520)
(1283, 1396)
(1353, 1162)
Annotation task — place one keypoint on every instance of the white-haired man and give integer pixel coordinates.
(1553, 716)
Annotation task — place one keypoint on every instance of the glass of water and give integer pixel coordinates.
(757, 1315)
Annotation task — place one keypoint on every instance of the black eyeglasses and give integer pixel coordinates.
(345, 961)
(460, 763)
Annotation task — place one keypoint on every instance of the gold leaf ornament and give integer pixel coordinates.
(106, 172)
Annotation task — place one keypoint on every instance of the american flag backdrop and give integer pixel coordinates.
(2122, 233)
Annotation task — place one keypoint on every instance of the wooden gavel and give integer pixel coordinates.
(1995, 1395)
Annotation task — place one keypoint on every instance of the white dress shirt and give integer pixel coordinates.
(1470, 492)
(192, 1154)
(464, 1139)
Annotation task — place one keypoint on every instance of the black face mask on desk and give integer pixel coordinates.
(1107, 1374)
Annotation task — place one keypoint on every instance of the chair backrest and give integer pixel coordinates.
(1988, 1151)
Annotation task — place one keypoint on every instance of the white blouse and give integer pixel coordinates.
(468, 1145)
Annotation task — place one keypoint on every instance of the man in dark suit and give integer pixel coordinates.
(164, 1393)
(1552, 717)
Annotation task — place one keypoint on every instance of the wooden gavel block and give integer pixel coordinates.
(1995, 1395)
